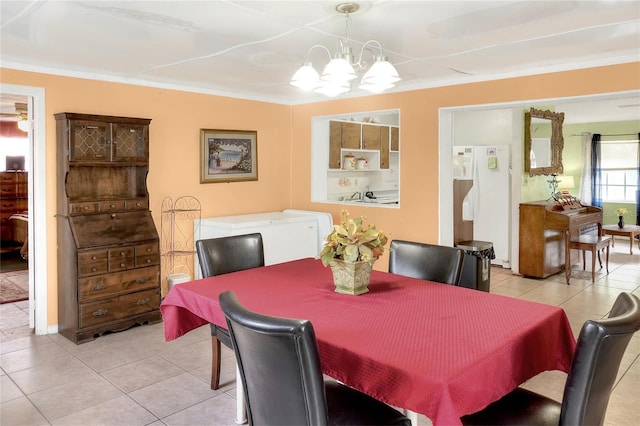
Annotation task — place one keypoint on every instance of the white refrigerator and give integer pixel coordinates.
(488, 201)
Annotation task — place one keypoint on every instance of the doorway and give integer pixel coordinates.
(15, 166)
(36, 203)
(579, 109)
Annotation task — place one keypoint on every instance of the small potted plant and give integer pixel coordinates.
(621, 212)
(351, 249)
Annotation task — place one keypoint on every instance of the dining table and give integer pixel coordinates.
(425, 347)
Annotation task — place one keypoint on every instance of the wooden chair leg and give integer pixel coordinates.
(607, 259)
(599, 259)
(215, 363)
(584, 260)
(593, 264)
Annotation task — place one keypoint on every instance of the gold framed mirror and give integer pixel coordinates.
(543, 142)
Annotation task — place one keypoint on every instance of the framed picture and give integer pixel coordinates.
(228, 155)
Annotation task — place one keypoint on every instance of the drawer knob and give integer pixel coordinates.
(148, 260)
(148, 249)
(100, 313)
(144, 301)
(113, 206)
(99, 287)
(122, 265)
(121, 253)
(142, 280)
(93, 269)
(94, 257)
(113, 215)
(85, 207)
(137, 204)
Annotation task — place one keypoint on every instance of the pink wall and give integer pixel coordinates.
(284, 139)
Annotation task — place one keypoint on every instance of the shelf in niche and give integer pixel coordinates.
(352, 171)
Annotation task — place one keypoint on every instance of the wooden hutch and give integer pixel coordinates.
(108, 245)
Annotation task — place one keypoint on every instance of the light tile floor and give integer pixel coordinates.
(136, 378)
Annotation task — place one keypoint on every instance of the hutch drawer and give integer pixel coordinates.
(120, 253)
(121, 264)
(109, 285)
(119, 307)
(147, 254)
(112, 206)
(93, 262)
(93, 256)
(94, 268)
(83, 207)
(137, 204)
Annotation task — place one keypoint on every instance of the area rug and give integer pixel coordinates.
(14, 286)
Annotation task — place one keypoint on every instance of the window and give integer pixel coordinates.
(619, 170)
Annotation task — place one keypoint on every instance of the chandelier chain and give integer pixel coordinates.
(347, 19)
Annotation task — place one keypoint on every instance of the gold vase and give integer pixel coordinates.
(351, 277)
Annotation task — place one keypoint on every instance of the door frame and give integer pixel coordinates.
(37, 205)
(445, 175)
(445, 146)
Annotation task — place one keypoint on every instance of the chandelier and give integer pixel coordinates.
(23, 122)
(339, 73)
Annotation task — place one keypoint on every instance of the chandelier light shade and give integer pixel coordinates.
(23, 123)
(382, 73)
(306, 78)
(340, 71)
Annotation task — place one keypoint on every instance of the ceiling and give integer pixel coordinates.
(250, 49)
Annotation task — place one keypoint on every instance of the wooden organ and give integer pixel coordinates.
(545, 230)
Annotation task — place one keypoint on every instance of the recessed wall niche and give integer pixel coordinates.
(355, 158)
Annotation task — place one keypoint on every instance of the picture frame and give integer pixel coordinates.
(228, 155)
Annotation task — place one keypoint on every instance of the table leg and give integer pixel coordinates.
(241, 414)
(412, 415)
(631, 237)
(567, 257)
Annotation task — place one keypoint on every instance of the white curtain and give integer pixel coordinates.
(585, 195)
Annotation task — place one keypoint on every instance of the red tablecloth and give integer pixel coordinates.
(435, 349)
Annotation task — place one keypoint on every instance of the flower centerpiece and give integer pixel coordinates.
(621, 212)
(351, 249)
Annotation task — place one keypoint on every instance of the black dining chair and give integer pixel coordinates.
(283, 382)
(426, 261)
(601, 345)
(223, 255)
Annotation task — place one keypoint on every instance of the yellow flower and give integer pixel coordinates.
(352, 242)
(621, 211)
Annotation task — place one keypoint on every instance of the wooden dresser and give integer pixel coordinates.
(13, 199)
(108, 245)
(545, 229)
